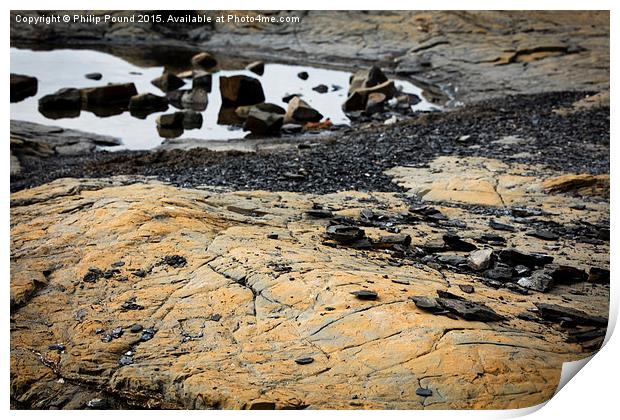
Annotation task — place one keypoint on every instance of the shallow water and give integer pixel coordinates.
(64, 68)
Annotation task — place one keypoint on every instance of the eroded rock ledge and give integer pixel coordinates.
(131, 292)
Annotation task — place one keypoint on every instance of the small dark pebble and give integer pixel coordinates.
(321, 88)
(467, 288)
(139, 273)
(365, 295)
(423, 392)
(544, 235)
(147, 334)
(136, 328)
(93, 76)
(215, 317)
(118, 264)
(272, 236)
(493, 224)
(58, 347)
(117, 332)
(303, 75)
(125, 360)
(106, 338)
(304, 361)
(175, 261)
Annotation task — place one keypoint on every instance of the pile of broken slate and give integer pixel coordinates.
(494, 265)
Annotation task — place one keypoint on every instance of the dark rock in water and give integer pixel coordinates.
(513, 257)
(168, 82)
(57, 347)
(203, 81)
(68, 99)
(196, 99)
(117, 332)
(93, 76)
(540, 281)
(499, 272)
(344, 234)
(428, 304)
(262, 123)
(598, 275)
(553, 312)
(423, 392)
(303, 75)
(135, 328)
(98, 404)
(257, 67)
(105, 96)
(544, 235)
(23, 87)
(204, 61)
(125, 360)
(292, 129)
(175, 261)
(243, 111)
(493, 224)
(300, 111)
(375, 103)
(563, 274)
(466, 288)
(147, 334)
(365, 295)
(455, 243)
(320, 213)
(480, 259)
(470, 311)
(173, 120)
(321, 88)
(191, 119)
(241, 90)
(142, 105)
(288, 98)
(304, 360)
(389, 241)
(92, 275)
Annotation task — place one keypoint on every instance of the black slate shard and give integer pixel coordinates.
(455, 243)
(365, 295)
(344, 234)
(304, 360)
(557, 313)
(423, 392)
(92, 275)
(494, 224)
(513, 257)
(174, 261)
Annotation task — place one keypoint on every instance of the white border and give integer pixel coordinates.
(592, 394)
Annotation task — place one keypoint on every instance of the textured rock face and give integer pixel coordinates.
(245, 303)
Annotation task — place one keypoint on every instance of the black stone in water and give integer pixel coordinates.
(320, 88)
(58, 347)
(136, 328)
(303, 75)
(304, 361)
(423, 392)
(365, 295)
(175, 261)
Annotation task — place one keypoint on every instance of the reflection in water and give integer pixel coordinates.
(63, 68)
